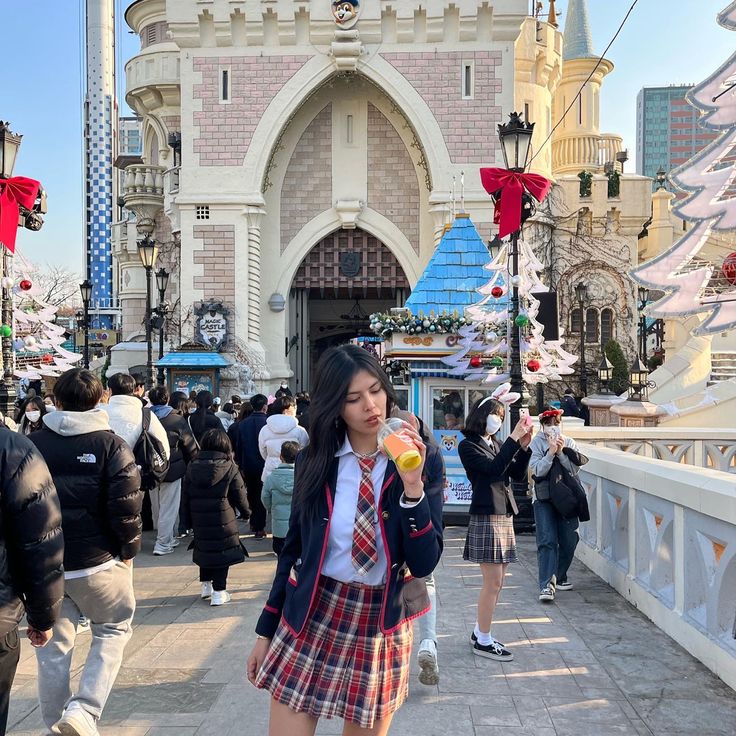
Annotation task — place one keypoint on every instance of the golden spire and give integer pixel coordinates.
(552, 16)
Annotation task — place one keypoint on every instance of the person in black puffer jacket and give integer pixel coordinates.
(98, 484)
(166, 496)
(31, 554)
(213, 489)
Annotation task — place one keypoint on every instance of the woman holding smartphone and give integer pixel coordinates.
(334, 638)
(556, 537)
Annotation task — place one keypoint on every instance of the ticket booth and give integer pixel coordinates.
(193, 369)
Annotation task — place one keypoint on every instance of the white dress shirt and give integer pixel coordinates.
(338, 562)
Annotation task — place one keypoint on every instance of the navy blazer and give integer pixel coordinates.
(412, 538)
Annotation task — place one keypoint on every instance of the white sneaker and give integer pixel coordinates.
(176, 542)
(427, 659)
(76, 721)
(207, 590)
(219, 597)
(158, 551)
(547, 594)
(564, 585)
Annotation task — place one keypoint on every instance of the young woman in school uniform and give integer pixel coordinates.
(334, 639)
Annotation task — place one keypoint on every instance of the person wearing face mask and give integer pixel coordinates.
(284, 390)
(490, 541)
(49, 402)
(31, 419)
(557, 537)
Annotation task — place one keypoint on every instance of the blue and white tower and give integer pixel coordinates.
(100, 120)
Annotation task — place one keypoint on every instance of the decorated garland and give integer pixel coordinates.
(385, 323)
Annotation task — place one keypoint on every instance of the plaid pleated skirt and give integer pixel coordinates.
(490, 538)
(341, 665)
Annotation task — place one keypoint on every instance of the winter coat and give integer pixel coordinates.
(247, 454)
(279, 428)
(126, 420)
(31, 542)
(569, 406)
(210, 422)
(489, 470)
(276, 496)
(213, 489)
(98, 484)
(225, 418)
(541, 462)
(182, 445)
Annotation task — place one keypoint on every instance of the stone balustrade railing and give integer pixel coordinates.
(703, 448)
(609, 146)
(663, 535)
(143, 179)
(590, 152)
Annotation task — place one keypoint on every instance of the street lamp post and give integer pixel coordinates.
(639, 383)
(86, 290)
(147, 251)
(516, 140)
(643, 301)
(162, 281)
(9, 145)
(581, 292)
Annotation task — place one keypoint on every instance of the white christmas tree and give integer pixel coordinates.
(692, 284)
(38, 339)
(541, 360)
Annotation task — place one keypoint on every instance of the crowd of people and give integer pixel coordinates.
(357, 535)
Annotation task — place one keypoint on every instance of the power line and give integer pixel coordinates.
(582, 86)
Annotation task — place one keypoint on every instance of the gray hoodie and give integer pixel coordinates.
(541, 461)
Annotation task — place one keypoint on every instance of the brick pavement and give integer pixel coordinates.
(589, 664)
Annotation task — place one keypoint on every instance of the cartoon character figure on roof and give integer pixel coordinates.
(346, 12)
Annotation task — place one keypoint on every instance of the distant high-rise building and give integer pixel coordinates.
(667, 130)
(130, 136)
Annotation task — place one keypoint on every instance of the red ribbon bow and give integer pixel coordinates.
(512, 184)
(15, 193)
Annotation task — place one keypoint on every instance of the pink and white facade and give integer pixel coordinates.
(302, 142)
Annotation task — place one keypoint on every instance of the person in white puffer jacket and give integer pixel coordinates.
(281, 426)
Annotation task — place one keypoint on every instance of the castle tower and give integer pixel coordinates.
(578, 144)
(100, 115)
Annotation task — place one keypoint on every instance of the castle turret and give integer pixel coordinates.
(578, 143)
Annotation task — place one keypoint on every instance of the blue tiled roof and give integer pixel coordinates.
(577, 39)
(454, 273)
(192, 360)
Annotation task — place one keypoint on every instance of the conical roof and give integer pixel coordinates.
(577, 38)
(454, 273)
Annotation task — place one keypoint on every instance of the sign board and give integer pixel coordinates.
(212, 324)
(457, 487)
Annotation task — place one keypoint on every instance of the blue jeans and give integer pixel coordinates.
(556, 542)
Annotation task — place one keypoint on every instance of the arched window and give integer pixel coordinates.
(606, 325)
(592, 332)
(575, 320)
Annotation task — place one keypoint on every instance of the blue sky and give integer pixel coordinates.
(40, 92)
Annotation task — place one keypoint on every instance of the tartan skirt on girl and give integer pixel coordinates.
(341, 665)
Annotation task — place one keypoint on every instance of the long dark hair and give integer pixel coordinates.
(198, 420)
(334, 373)
(216, 440)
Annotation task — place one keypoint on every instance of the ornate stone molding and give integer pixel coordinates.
(346, 49)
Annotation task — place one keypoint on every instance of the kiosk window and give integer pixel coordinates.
(448, 408)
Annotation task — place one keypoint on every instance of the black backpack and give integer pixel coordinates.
(150, 455)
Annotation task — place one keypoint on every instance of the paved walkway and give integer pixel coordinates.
(589, 664)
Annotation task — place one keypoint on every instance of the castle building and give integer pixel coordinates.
(300, 161)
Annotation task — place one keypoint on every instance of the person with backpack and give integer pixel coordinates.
(98, 485)
(165, 497)
(557, 536)
(213, 491)
(127, 417)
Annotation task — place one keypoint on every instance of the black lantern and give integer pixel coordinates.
(643, 296)
(85, 289)
(638, 381)
(516, 142)
(605, 374)
(581, 291)
(661, 179)
(147, 250)
(162, 281)
(9, 145)
(494, 246)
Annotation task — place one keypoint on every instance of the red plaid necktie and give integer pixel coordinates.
(365, 553)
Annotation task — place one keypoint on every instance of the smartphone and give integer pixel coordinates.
(552, 432)
(524, 414)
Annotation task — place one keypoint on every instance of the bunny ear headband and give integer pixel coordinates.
(504, 394)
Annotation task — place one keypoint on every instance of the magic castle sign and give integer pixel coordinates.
(212, 323)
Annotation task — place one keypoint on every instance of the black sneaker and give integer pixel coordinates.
(494, 650)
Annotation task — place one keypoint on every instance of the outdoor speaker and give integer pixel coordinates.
(547, 316)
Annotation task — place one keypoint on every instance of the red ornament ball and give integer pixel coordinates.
(475, 361)
(25, 285)
(497, 292)
(533, 365)
(48, 358)
(729, 268)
